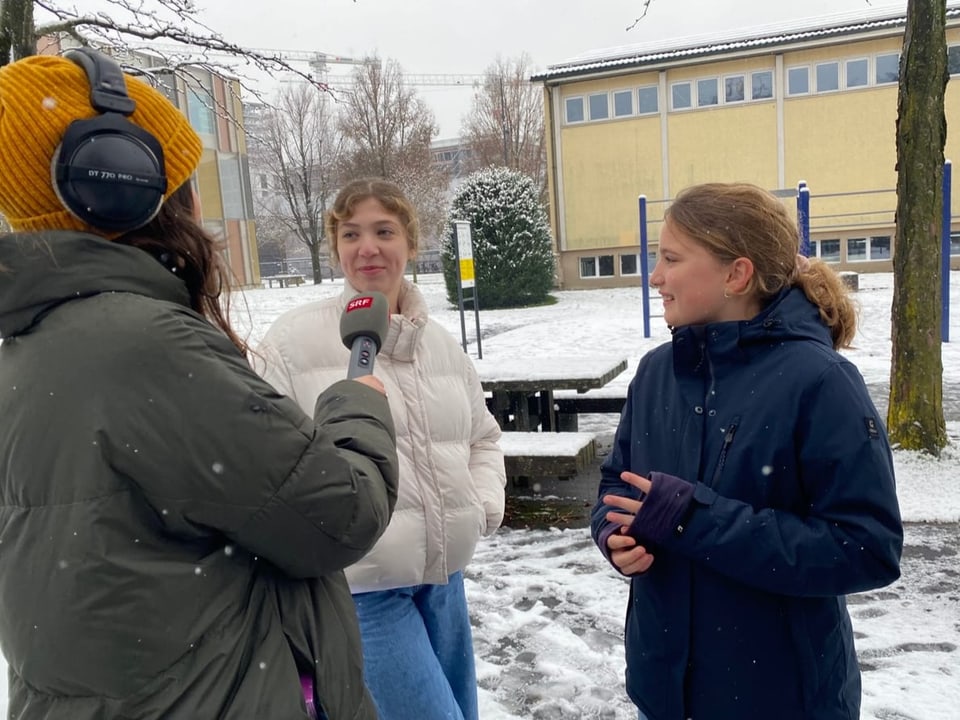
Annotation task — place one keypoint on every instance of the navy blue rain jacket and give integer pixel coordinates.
(787, 504)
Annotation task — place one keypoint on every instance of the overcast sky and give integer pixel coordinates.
(452, 36)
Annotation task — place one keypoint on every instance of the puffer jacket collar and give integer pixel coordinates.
(789, 316)
(405, 330)
(39, 271)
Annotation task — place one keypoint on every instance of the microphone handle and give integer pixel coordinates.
(362, 353)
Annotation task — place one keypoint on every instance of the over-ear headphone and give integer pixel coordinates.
(107, 171)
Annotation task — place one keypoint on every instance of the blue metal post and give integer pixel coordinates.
(945, 255)
(644, 266)
(803, 217)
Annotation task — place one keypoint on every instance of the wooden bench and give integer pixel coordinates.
(284, 280)
(602, 400)
(546, 454)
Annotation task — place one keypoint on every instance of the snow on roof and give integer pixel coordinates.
(757, 37)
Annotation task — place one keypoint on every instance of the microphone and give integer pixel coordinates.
(363, 326)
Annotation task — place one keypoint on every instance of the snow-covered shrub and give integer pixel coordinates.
(512, 248)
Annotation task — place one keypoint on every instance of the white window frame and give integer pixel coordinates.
(716, 89)
(566, 110)
(816, 74)
(635, 256)
(656, 94)
(876, 70)
(613, 102)
(673, 88)
(596, 266)
(753, 75)
(846, 73)
(806, 69)
(819, 248)
(866, 250)
(743, 88)
(606, 98)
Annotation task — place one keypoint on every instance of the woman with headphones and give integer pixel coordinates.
(172, 529)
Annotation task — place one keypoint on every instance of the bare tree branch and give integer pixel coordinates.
(645, 8)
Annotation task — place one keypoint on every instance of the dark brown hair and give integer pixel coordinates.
(734, 220)
(176, 239)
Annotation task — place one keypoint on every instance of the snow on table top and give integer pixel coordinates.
(544, 443)
(536, 368)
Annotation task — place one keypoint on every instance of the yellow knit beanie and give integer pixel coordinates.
(39, 97)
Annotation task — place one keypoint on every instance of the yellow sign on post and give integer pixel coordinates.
(467, 279)
(465, 253)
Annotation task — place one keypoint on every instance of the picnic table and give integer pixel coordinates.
(522, 388)
(292, 279)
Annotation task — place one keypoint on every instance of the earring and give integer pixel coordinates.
(726, 294)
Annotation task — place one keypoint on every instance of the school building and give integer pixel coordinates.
(816, 104)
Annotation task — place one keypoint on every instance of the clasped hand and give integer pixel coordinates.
(630, 558)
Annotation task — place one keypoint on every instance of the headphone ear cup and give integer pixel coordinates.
(109, 173)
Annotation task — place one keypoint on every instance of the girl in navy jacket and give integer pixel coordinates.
(751, 485)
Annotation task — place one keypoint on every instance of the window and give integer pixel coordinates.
(200, 111)
(629, 264)
(798, 81)
(707, 93)
(953, 59)
(829, 250)
(857, 73)
(888, 68)
(880, 247)
(954, 243)
(575, 110)
(231, 189)
(167, 84)
(876, 247)
(733, 89)
(828, 77)
(856, 249)
(601, 266)
(623, 103)
(761, 84)
(680, 96)
(599, 106)
(648, 100)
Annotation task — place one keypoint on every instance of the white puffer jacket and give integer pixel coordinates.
(452, 476)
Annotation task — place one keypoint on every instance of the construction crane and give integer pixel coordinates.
(318, 62)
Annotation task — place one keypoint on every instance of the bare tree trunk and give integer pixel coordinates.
(17, 35)
(915, 416)
(315, 263)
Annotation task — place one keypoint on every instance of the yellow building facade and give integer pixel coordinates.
(815, 105)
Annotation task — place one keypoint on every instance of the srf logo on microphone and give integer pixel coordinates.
(359, 303)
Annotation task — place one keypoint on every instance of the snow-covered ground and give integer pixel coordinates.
(547, 609)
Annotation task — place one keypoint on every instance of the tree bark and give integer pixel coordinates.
(915, 416)
(17, 35)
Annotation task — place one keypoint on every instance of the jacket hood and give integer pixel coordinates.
(789, 316)
(39, 271)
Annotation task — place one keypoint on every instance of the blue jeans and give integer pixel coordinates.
(418, 652)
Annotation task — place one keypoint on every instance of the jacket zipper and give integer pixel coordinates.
(727, 442)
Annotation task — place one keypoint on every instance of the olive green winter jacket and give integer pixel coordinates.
(172, 529)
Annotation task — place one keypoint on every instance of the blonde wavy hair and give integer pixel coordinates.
(734, 220)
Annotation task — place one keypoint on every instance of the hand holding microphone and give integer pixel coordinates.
(363, 326)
